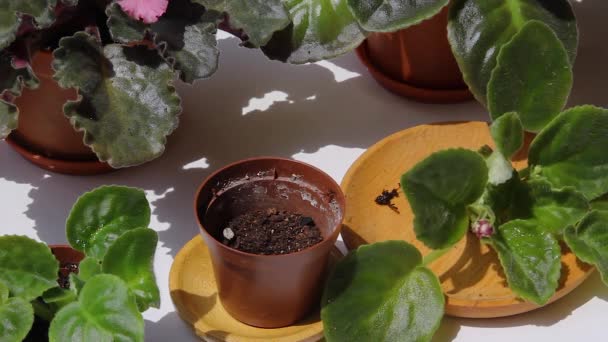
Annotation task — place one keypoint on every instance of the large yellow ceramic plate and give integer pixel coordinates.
(194, 293)
(470, 274)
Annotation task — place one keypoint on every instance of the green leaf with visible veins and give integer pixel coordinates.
(27, 267)
(101, 216)
(530, 259)
(16, 317)
(533, 77)
(439, 189)
(589, 241)
(127, 104)
(320, 29)
(478, 29)
(393, 15)
(106, 311)
(380, 292)
(508, 133)
(259, 19)
(554, 210)
(571, 151)
(131, 258)
(88, 268)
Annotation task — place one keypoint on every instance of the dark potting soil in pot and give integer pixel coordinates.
(40, 329)
(271, 232)
(64, 274)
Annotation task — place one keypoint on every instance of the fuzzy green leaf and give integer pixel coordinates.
(589, 241)
(11, 17)
(508, 133)
(123, 28)
(600, 203)
(554, 210)
(380, 292)
(478, 29)
(27, 267)
(530, 259)
(106, 311)
(570, 151)
(12, 80)
(259, 19)
(439, 189)
(131, 258)
(320, 29)
(127, 104)
(89, 267)
(16, 317)
(185, 36)
(8, 118)
(509, 200)
(101, 216)
(392, 15)
(533, 77)
(500, 169)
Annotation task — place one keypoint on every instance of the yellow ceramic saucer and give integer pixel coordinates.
(470, 274)
(194, 293)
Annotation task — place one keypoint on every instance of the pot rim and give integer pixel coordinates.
(331, 238)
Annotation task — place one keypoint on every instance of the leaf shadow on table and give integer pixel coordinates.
(164, 330)
(316, 108)
(313, 108)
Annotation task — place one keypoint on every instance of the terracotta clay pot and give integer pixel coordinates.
(416, 62)
(269, 291)
(66, 254)
(44, 135)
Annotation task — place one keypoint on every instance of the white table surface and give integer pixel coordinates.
(325, 114)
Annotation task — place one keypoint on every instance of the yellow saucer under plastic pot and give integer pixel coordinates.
(194, 293)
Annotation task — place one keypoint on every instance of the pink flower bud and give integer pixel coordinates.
(146, 10)
(482, 229)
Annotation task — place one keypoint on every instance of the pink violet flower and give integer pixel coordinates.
(147, 11)
(482, 229)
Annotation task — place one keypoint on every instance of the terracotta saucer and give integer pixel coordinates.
(69, 167)
(194, 293)
(426, 95)
(470, 274)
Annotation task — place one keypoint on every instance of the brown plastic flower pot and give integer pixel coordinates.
(269, 291)
(66, 254)
(416, 62)
(45, 136)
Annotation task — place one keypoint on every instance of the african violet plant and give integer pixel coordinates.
(127, 104)
(123, 55)
(114, 284)
(384, 292)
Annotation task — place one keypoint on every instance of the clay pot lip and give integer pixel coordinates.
(420, 94)
(66, 248)
(329, 239)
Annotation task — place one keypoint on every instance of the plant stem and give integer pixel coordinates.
(42, 311)
(434, 255)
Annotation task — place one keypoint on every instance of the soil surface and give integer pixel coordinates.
(271, 232)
